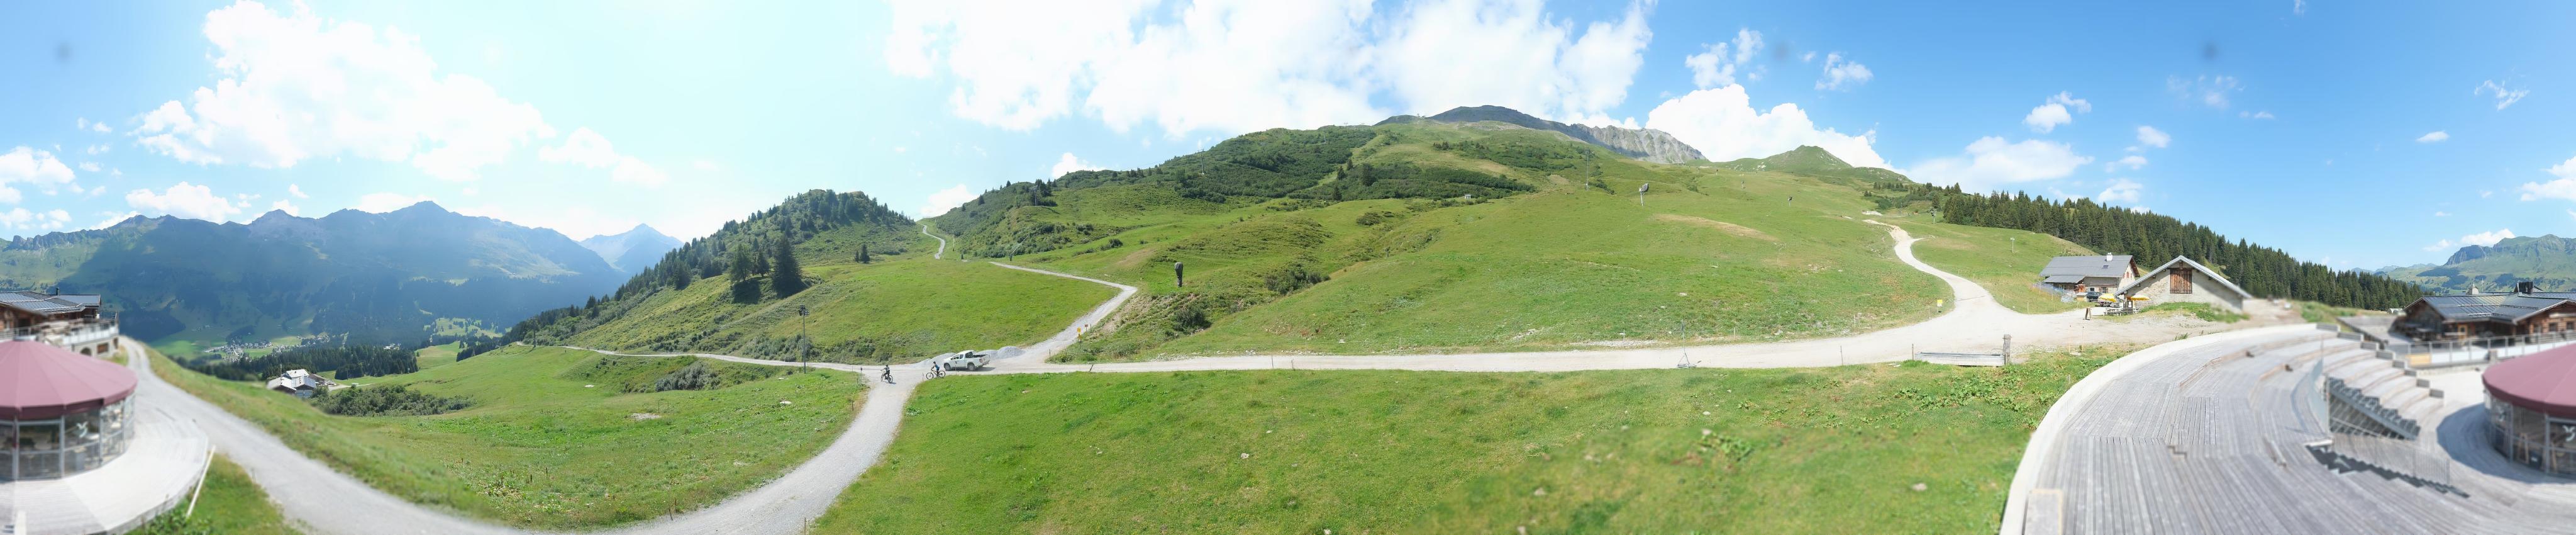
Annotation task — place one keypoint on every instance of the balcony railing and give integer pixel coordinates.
(66, 334)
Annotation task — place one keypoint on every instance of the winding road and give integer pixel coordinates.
(327, 501)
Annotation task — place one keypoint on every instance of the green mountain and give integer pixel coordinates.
(788, 282)
(632, 250)
(1812, 161)
(1643, 144)
(2548, 260)
(389, 276)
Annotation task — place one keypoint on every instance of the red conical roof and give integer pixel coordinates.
(39, 381)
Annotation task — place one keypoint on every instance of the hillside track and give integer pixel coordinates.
(326, 501)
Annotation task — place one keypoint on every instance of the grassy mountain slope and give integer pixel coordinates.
(2004, 261)
(900, 305)
(553, 441)
(389, 276)
(1836, 450)
(1563, 254)
(2547, 260)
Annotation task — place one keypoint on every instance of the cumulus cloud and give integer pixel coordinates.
(2562, 188)
(2133, 162)
(1723, 125)
(2060, 109)
(295, 86)
(2149, 136)
(2504, 97)
(1233, 67)
(1718, 65)
(2122, 190)
(2436, 136)
(24, 219)
(283, 206)
(297, 191)
(2212, 91)
(1842, 75)
(186, 200)
(943, 200)
(1991, 162)
(83, 123)
(2486, 238)
(589, 149)
(25, 165)
(1068, 164)
(2254, 115)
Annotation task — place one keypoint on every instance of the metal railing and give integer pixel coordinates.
(64, 333)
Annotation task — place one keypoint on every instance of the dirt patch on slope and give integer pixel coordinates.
(1729, 228)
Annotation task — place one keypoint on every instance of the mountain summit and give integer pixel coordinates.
(1643, 144)
(2548, 260)
(633, 250)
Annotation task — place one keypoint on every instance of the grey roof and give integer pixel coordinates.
(38, 303)
(2169, 264)
(2087, 266)
(2507, 308)
(2060, 279)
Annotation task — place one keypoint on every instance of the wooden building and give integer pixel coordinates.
(2089, 273)
(2182, 280)
(2526, 311)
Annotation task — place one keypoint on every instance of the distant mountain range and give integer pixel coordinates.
(2548, 260)
(633, 250)
(1643, 144)
(389, 276)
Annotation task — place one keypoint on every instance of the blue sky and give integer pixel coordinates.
(2358, 135)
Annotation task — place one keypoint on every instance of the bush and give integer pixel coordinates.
(393, 400)
(1373, 218)
(694, 376)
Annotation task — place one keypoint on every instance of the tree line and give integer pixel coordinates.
(2154, 239)
(350, 361)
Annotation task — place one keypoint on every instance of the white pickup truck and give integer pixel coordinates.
(964, 360)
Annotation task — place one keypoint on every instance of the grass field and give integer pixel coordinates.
(438, 355)
(904, 310)
(1710, 256)
(552, 441)
(2004, 261)
(1835, 450)
(228, 503)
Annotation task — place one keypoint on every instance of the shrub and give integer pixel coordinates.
(694, 376)
(396, 400)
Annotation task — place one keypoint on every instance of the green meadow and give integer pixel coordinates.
(229, 502)
(1831, 450)
(556, 440)
(872, 313)
(2004, 261)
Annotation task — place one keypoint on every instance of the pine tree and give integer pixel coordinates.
(863, 254)
(785, 277)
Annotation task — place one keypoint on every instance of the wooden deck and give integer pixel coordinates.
(2212, 440)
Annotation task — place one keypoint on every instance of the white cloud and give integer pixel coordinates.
(1991, 162)
(84, 124)
(2151, 137)
(27, 165)
(2055, 112)
(297, 191)
(101, 148)
(89, 167)
(2212, 91)
(2298, 7)
(2504, 96)
(2439, 213)
(1718, 65)
(587, 148)
(2436, 137)
(113, 218)
(705, 165)
(2562, 188)
(2440, 245)
(943, 200)
(283, 206)
(297, 87)
(2133, 162)
(387, 202)
(1227, 67)
(22, 218)
(1842, 75)
(1723, 125)
(2486, 238)
(2254, 115)
(2122, 190)
(184, 200)
(1068, 164)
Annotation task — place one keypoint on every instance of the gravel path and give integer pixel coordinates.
(327, 501)
(943, 242)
